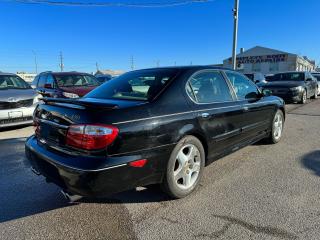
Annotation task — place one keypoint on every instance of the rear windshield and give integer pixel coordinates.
(74, 80)
(12, 82)
(141, 85)
(294, 76)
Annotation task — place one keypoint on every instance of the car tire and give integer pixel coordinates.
(315, 96)
(184, 168)
(303, 97)
(276, 127)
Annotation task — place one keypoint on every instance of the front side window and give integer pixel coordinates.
(244, 88)
(208, 87)
(141, 85)
(74, 80)
(50, 80)
(42, 80)
(12, 82)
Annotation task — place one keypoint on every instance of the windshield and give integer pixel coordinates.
(317, 76)
(74, 80)
(12, 82)
(141, 85)
(294, 76)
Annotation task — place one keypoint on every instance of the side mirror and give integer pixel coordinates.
(47, 85)
(266, 92)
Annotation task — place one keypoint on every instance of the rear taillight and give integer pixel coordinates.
(36, 126)
(91, 136)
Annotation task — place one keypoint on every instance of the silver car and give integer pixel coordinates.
(17, 101)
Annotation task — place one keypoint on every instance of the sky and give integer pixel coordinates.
(198, 33)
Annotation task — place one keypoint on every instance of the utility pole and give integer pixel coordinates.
(235, 33)
(97, 66)
(132, 62)
(158, 63)
(35, 61)
(61, 62)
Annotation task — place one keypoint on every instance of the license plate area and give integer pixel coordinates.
(52, 134)
(15, 114)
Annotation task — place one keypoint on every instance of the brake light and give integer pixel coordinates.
(91, 137)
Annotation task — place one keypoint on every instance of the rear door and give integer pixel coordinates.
(257, 111)
(218, 115)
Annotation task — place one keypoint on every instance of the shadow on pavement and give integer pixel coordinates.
(21, 192)
(312, 161)
(142, 195)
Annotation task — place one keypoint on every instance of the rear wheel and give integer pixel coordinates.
(315, 93)
(303, 97)
(185, 167)
(277, 127)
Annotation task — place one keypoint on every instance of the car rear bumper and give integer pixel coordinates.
(17, 116)
(107, 175)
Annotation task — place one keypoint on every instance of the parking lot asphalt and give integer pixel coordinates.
(260, 192)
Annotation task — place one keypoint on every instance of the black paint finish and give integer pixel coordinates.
(147, 130)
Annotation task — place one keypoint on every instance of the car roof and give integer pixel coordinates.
(66, 73)
(193, 67)
(7, 74)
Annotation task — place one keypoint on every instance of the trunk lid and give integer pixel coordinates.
(56, 115)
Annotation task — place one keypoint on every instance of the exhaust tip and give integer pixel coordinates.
(71, 197)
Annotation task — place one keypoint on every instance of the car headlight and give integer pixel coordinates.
(299, 88)
(70, 95)
(36, 99)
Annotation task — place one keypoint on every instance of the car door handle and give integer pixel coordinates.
(204, 115)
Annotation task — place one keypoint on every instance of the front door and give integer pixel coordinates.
(258, 111)
(218, 114)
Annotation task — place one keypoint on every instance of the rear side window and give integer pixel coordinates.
(42, 80)
(141, 85)
(208, 87)
(244, 88)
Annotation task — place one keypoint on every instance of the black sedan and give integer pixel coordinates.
(150, 126)
(293, 86)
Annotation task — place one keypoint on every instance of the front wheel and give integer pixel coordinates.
(277, 127)
(184, 168)
(303, 97)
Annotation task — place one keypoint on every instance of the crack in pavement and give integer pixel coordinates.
(215, 234)
(271, 231)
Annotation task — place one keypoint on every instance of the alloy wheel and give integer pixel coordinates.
(277, 126)
(187, 166)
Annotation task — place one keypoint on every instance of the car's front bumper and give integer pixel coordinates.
(92, 176)
(16, 116)
(289, 96)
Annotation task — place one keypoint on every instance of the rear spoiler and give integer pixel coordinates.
(73, 103)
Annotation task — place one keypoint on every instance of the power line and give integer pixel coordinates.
(112, 4)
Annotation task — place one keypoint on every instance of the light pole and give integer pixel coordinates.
(235, 33)
(35, 61)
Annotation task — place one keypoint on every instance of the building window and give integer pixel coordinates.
(274, 67)
(256, 67)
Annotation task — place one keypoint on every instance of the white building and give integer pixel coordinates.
(269, 61)
(28, 77)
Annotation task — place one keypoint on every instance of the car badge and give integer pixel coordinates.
(12, 99)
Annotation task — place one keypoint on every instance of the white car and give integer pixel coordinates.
(317, 76)
(17, 101)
